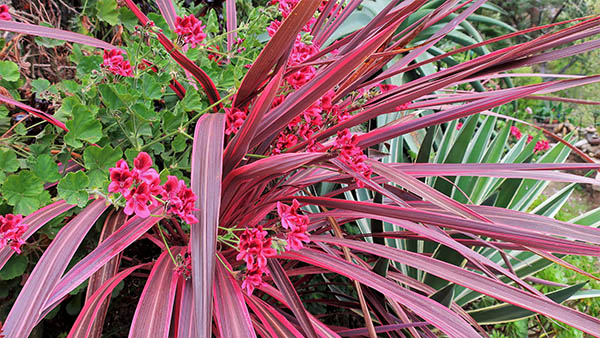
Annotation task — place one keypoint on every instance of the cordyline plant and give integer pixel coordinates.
(265, 206)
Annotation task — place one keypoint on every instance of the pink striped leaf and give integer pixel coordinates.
(455, 169)
(532, 222)
(474, 281)
(437, 36)
(231, 23)
(275, 52)
(186, 325)
(380, 329)
(326, 79)
(187, 64)
(93, 305)
(574, 149)
(109, 248)
(34, 222)
(431, 311)
(326, 32)
(48, 270)
(113, 221)
(480, 261)
(386, 133)
(53, 33)
(231, 313)
(152, 316)
(367, 182)
(266, 168)
(487, 42)
(322, 329)
(207, 161)
(510, 232)
(239, 145)
(36, 112)
(289, 292)
(414, 185)
(168, 12)
(274, 322)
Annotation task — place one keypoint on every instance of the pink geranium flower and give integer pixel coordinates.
(141, 185)
(4, 13)
(11, 231)
(285, 141)
(180, 198)
(529, 138)
(234, 120)
(190, 30)
(253, 280)
(254, 248)
(121, 178)
(295, 239)
(138, 201)
(295, 222)
(352, 155)
(541, 146)
(114, 62)
(515, 132)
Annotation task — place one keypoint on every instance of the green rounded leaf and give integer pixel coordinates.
(39, 85)
(144, 112)
(8, 161)
(9, 71)
(25, 191)
(152, 89)
(83, 127)
(46, 168)
(109, 97)
(107, 11)
(98, 160)
(14, 268)
(73, 188)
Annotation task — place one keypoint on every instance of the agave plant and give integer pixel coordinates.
(292, 194)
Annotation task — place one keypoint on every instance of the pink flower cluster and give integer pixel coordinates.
(234, 120)
(296, 223)
(11, 231)
(323, 111)
(214, 57)
(300, 53)
(351, 154)
(285, 6)
(529, 138)
(309, 122)
(541, 146)
(190, 29)
(514, 131)
(180, 199)
(4, 13)
(254, 248)
(140, 186)
(384, 88)
(114, 62)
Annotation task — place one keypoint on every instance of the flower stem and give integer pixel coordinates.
(225, 265)
(166, 245)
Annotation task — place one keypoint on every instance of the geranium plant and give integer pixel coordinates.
(244, 175)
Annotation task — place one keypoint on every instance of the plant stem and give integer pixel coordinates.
(256, 156)
(166, 245)
(225, 265)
